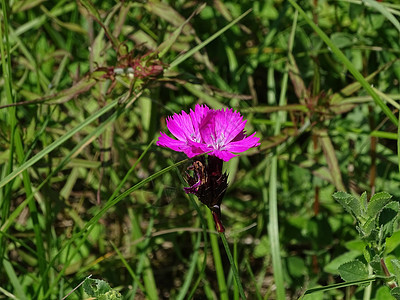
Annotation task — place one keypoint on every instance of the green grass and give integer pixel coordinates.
(85, 191)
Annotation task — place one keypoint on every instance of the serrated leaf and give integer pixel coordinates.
(396, 268)
(387, 218)
(111, 295)
(95, 287)
(367, 227)
(373, 235)
(363, 201)
(396, 293)
(349, 202)
(333, 266)
(376, 265)
(383, 293)
(353, 270)
(370, 254)
(367, 254)
(392, 242)
(377, 202)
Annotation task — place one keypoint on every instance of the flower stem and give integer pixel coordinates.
(368, 289)
(219, 266)
(233, 265)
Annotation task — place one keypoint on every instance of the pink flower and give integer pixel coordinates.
(204, 129)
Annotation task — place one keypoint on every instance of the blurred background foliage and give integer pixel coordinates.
(64, 61)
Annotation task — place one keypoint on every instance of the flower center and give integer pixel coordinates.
(194, 138)
(218, 143)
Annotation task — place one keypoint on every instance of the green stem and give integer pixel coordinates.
(368, 289)
(204, 228)
(273, 231)
(233, 265)
(398, 144)
(219, 269)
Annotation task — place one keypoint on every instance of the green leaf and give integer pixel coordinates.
(396, 268)
(342, 40)
(392, 242)
(111, 295)
(95, 287)
(349, 202)
(363, 201)
(367, 228)
(296, 266)
(383, 293)
(384, 11)
(387, 218)
(333, 266)
(353, 270)
(263, 248)
(376, 265)
(317, 295)
(396, 293)
(357, 245)
(377, 202)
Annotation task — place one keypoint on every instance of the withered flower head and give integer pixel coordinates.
(209, 185)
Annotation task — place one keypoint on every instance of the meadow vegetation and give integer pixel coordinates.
(86, 195)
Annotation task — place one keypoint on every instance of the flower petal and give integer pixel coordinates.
(180, 146)
(219, 132)
(228, 124)
(224, 155)
(165, 141)
(244, 144)
(181, 126)
(221, 127)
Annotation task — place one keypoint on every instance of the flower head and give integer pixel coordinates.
(220, 132)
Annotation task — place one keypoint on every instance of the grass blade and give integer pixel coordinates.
(144, 266)
(398, 143)
(19, 291)
(57, 143)
(41, 255)
(166, 45)
(5, 196)
(384, 11)
(188, 54)
(347, 63)
(84, 232)
(330, 156)
(128, 267)
(189, 274)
